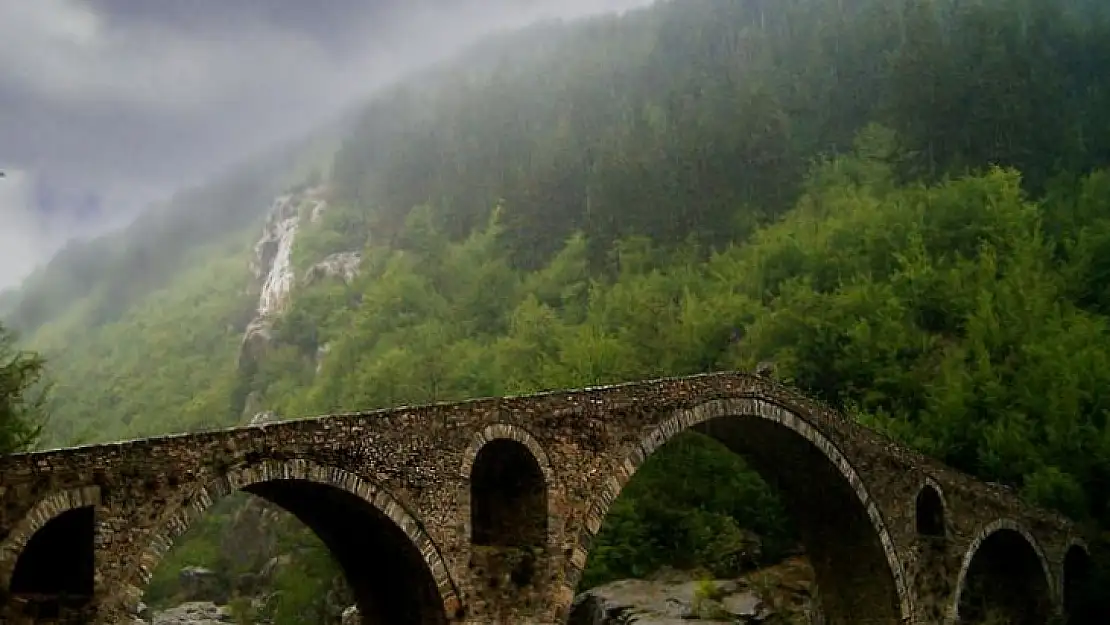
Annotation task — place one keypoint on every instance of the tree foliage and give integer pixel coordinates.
(664, 122)
(903, 204)
(22, 395)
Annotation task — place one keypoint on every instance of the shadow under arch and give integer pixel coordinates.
(1004, 574)
(395, 571)
(929, 511)
(506, 490)
(1078, 585)
(860, 578)
(508, 482)
(47, 560)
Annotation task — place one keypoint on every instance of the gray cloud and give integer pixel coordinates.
(127, 100)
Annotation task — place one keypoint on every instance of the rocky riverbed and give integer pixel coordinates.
(783, 594)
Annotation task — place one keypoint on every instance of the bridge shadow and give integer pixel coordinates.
(53, 578)
(1005, 583)
(856, 581)
(1085, 600)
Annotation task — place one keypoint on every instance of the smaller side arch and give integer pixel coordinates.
(1078, 592)
(974, 548)
(506, 488)
(490, 435)
(46, 510)
(270, 471)
(930, 510)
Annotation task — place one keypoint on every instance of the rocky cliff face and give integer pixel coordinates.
(272, 265)
(274, 274)
(193, 613)
(343, 265)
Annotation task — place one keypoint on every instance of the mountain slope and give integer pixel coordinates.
(105, 276)
(649, 195)
(670, 122)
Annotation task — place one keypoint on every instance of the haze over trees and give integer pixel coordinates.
(905, 204)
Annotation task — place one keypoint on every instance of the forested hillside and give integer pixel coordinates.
(904, 204)
(106, 276)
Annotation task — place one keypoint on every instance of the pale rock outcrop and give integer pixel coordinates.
(318, 208)
(272, 265)
(200, 584)
(321, 351)
(342, 265)
(275, 565)
(339, 600)
(256, 339)
(785, 591)
(273, 270)
(273, 253)
(194, 613)
(264, 417)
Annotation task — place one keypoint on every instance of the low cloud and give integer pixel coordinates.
(126, 99)
(25, 230)
(36, 216)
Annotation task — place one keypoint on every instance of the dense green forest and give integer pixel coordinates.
(904, 204)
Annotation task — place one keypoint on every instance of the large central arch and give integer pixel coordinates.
(394, 569)
(860, 577)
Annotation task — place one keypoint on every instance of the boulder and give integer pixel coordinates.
(264, 417)
(343, 265)
(783, 592)
(194, 613)
(201, 584)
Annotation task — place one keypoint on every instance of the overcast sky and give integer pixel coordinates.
(106, 105)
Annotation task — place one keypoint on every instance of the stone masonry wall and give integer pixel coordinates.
(413, 466)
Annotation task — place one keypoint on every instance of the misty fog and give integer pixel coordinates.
(109, 105)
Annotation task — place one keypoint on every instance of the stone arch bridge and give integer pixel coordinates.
(484, 511)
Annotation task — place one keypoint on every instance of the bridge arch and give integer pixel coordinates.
(930, 511)
(1077, 586)
(361, 523)
(1003, 569)
(504, 502)
(497, 447)
(865, 584)
(59, 529)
